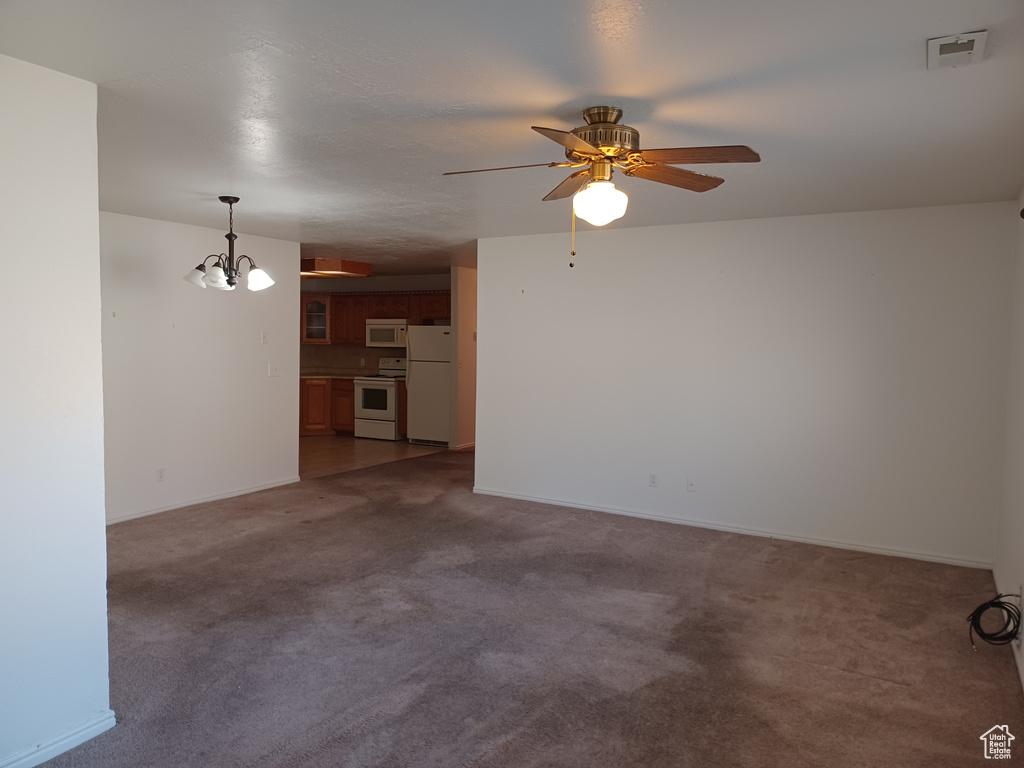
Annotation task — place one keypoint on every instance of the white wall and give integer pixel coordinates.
(464, 375)
(1009, 568)
(54, 690)
(835, 378)
(185, 387)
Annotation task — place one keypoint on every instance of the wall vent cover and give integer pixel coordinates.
(957, 50)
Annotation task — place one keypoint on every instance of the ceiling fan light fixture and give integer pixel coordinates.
(600, 203)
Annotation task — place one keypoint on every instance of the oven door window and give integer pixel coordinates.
(374, 399)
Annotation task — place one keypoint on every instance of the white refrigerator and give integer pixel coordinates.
(429, 383)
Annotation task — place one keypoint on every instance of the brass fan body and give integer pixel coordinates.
(604, 132)
(601, 144)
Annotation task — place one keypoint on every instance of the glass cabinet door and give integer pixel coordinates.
(314, 320)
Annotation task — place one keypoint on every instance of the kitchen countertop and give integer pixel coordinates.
(331, 375)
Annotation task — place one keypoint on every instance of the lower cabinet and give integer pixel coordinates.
(343, 405)
(315, 407)
(403, 408)
(327, 406)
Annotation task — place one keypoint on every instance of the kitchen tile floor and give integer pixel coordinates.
(323, 455)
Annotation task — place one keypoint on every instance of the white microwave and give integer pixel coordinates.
(386, 333)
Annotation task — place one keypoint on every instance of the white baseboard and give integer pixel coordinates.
(231, 494)
(1019, 662)
(1016, 646)
(40, 753)
(835, 543)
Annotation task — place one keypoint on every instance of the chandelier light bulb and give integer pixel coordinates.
(215, 278)
(258, 279)
(599, 203)
(196, 275)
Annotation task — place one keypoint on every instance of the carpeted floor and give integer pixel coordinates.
(389, 617)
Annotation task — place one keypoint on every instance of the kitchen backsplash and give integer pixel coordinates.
(342, 359)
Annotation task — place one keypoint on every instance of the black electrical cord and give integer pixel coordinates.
(1011, 622)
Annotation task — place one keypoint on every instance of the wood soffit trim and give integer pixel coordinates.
(317, 267)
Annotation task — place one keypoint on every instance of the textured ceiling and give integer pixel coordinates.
(333, 121)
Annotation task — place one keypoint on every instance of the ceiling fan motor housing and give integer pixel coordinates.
(603, 131)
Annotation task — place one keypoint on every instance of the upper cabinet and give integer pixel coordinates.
(316, 319)
(348, 319)
(435, 306)
(340, 318)
(388, 306)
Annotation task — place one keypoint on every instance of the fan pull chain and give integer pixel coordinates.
(572, 254)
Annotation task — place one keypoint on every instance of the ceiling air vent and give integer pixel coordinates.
(957, 50)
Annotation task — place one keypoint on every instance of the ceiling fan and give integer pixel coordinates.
(602, 144)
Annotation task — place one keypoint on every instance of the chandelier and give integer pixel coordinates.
(224, 273)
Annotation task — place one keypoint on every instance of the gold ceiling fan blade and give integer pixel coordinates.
(569, 141)
(570, 186)
(690, 155)
(677, 177)
(509, 168)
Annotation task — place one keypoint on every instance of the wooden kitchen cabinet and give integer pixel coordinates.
(435, 306)
(388, 306)
(343, 405)
(429, 307)
(341, 318)
(403, 408)
(315, 407)
(316, 316)
(357, 320)
(348, 320)
(414, 317)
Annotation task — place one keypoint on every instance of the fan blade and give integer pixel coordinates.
(677, 177)
(569, 141)
(509, 168)
(570, 186)
(690, 155)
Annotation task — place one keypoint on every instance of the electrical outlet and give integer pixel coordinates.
(160, 475)
(263, 337)
(652, 480)
(273, 371)
(362, 362)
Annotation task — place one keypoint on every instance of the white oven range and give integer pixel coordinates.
(377, 400)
